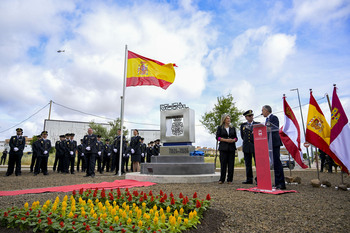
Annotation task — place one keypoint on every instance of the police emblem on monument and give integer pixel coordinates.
(177, 128)
(142, 69)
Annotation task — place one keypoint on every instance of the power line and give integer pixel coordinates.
(25, 119)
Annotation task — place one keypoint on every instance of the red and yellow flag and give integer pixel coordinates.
(144, 71)
(318, 132)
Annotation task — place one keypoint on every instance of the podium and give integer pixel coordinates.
(262, 158)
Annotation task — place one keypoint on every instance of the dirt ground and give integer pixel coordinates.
(309, 210)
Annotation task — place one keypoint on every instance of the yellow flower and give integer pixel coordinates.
(64, 204)
(161, 211)
(89, 201)
(155, 220)
(104, 209)
(116, 219)
(47, 203)
(140, 223)
(168, 209)
(194, 213)
(143, 205)
(104, 216)
(26, 205)
(133, 205)
(70, 215)
(120, 212)
(94, 215)
(92, 211)
(80, 200)
(190, 216)
(136, 209)
(129, 221)
(114, 203)
(181, 211)
(107, 203)
(124, 205)
(54, 207)
(44, 207)
(156, 214)
(124, 214)
(179, 220)
(151, 211)
(186, 221)
(176, 213)
(130, 213)
(154, 207)
(139, 212)
(73, 208)
(113, 212)
(127, 208)
(83, 213)
(65, 198)
(172, 220)
(163, 218)
(117, 207)
(57, 199)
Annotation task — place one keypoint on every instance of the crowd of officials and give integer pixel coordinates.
(90, 155)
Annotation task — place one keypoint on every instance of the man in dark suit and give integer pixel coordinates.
(72, 150)
(58, 154)
(143, 150)
(3, 157)
(43, 154)
(81, 157)
(107, 149)
(35, 149)
(272, 124)
(248, 144)
(90, 152)
(17, 144)
(149, 151)
(99, 156)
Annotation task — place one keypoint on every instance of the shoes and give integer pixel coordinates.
(72, 173)
(229, 182)
(6, 175)
(281, 187)
(247, 182)
(35, 174)
(92, 176)
(46, 174)
(220, 182)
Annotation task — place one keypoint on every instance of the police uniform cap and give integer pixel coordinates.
(19, 129)
(67, 134)
(72, 134)
(142, 138)
(248, 113)
(157, 140)
(99, 136)
(38, 136)
(62, 136)
(44, 132)
(107, 140)
(151, 142)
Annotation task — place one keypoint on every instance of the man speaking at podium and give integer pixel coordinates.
(272, 123)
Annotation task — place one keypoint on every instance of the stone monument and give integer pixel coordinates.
(177, 133)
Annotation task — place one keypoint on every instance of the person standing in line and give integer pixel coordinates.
(35, 148)
(323, 156)
(106, 156)
(116, 152)
(81, 157)
(90, 152)
(72, 150)
(272, 124)
(149, 152)
(3, 157)
(227, 137)
(135, 150)
(156, 147)
(57, 154)
(43, 154)
(62, 154)
(143, 150)
(99, 156)
(17, 144)
(248, 144)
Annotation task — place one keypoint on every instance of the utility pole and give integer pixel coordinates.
(50, 110)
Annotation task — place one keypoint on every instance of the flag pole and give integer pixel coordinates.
(330, 108)
(122, 112)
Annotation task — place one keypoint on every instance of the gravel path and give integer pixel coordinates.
(309, 210)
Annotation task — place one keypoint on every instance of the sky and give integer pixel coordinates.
(257, 50)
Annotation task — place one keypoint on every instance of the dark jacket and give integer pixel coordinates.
(45, 145)
(135, 143)
(71, 146)
(273, 124)
(19, 142)
(91, 141)
(222, 133)
(247, 137)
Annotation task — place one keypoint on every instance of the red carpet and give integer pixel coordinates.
(273, 191)
(69, 188)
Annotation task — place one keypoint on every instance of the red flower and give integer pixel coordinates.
(161, 200)
(123, 231)
(111, 196)
(126, 190)
(27, 213)
(49, 221)
(89, 190)
(101, 231)
(23, 218)
(135, 193)
(111, 228)
(165, 196)
(106, 222)
(149, 228)
(98, 224)
(187, 199)
(145, 196)
(74, 227)
(6, 214)
(184, 201)
(84, 224)
(87, 194)
(150, 193)
(30, 209)
(50, 213)
(74, 193)
(198, 204)
(95, 194)
(38, 215)
(208, 197)
(62, 224)
(161, 193)
(75, 215)
(130, 198)
(39, 221)
(195, 195)
(172, 201)
(141, 199)
(133, 227)
(171, 194)
(15, 216)
(81, 191)
(181, 195)
(87, 228)
(73, 222)
(103, 193)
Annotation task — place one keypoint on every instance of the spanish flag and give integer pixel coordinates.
(318, 131)
(144, 71)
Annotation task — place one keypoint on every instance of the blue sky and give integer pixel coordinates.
(256, 50)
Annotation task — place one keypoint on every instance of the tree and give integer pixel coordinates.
(110, 134)
(212, 119)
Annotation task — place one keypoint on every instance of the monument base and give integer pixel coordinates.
(165, 179)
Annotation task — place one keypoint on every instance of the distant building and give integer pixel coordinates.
(147, 134)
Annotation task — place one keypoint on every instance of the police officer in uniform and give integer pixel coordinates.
(57, 154)
(90, 152)
(116, 153)
(156, 147)
(3, 157)
(106, 155)
(143, 150)
(99, 156)
(61, 154)
(17, 144)
(248, 144)
(135, 151)
(149, 152)
(72, 150)
(35, 148)
(43, 154)
(81, 157)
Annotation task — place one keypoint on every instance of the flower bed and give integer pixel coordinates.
(99, 211)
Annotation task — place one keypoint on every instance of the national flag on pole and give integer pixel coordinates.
(144, 71)
(318, 131)
(290, 134)
(340, 133)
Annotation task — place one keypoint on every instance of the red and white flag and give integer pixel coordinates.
(340, 133)
(290, 134)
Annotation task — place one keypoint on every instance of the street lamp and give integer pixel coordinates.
(302, 120)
